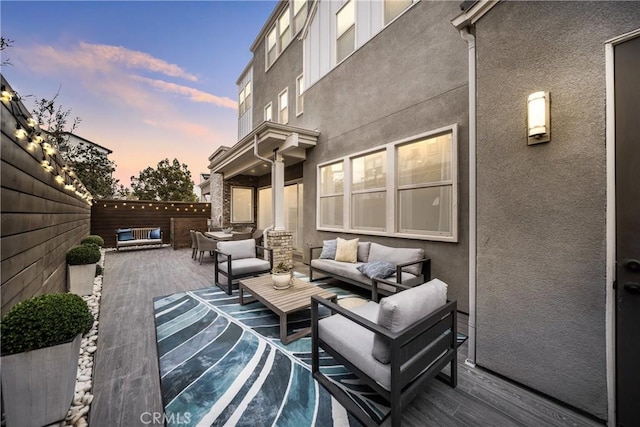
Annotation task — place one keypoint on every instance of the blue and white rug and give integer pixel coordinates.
(223, 364)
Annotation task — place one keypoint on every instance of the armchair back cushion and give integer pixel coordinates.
(404, 309)
(397, 256)
(239, 249)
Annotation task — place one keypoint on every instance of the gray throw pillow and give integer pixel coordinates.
(403, 309)
(377, 269)
(329, 249)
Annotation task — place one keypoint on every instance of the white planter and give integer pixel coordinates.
(80, 278)
(39, 385)
(281, 280)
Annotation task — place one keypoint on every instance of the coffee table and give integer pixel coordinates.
(283, 302)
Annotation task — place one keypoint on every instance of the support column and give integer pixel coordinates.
(278, 193)
(282, 244)
(217, 197)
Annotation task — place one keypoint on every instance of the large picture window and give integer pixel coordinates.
(241, 204)
(406, 188)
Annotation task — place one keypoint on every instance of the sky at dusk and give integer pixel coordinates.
(148, 79)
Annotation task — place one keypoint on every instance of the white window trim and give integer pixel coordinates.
(252, 204)
(392, 190)
(280, 106)
(278, 47)
(298, 95)
(355, 35)
(344, 191)
(269, 105)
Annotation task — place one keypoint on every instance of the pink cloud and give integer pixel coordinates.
(194, 95)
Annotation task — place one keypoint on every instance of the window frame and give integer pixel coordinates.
(279, 48)
(339, 36)
(305, 8)
(384, 12)
(241, 105)
(299, 95)
(393, 190)
(252, 209)
(269, 106)
(280, 109)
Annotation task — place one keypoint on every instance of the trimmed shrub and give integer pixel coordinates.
(99, 270)
(83, 254)
(44, 321)
(97, 240)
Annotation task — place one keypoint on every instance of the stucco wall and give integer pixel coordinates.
(541, 209)
(409, 79)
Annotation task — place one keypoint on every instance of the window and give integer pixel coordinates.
(284, 23)
(393, 8)
(247, 96)
(265, 208)
(407, 188)
(331, 195)
(283, 107)
(368, 191)
(272, 52)
(241, 103)
(241, 204)
(268, 113)
(346, 31)
(299, 95)
(299, 14)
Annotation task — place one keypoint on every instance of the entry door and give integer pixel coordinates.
(627, 114)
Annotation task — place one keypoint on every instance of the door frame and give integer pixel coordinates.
(610, 126)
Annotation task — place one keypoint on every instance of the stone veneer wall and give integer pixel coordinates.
(216, 184)
(238, 181)
(282, 244)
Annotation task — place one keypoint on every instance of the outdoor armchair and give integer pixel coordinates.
(205, 244)
(394, 347)
(238, 259)
(194, 244)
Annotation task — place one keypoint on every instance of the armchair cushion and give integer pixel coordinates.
(404, 309)
(377, 269)
(328, 249)
(245, 266)
(238, 249)
(347, 250)
(397, 256)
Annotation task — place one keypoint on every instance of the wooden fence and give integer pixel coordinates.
(41, 218)
(109, 215)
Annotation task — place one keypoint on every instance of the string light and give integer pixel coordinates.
(6, 95)
(31, 146)
(37, 138)
(31, 122)
(19, 132)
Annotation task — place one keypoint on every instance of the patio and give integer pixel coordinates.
(126, 381)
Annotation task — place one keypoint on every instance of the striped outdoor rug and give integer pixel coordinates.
(223, 364)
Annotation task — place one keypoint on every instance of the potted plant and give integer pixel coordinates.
(40, 349)
(281, 276)
(95, 239)
(81, 268)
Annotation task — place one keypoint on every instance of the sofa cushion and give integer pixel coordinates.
(374, 269)
(397, 256)
(347, 250)
(154, 234)
(124, 234)
(238, 249)
(363, 251)
(344, 269)
(403, 309)
(328, 249)
(354, 342)
(245, 266)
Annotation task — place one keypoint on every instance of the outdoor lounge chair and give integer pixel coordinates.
(238, 259)
(205, 244)
(395, 346)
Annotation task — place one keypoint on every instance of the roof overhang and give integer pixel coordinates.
(289, 141)
(471, 15)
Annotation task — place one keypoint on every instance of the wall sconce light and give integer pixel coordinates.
(6, 95)
(538, 128)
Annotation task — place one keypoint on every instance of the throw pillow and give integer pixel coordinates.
(403, 309)
(124, 234)
(375, 269)
(346, 250)
(328, 249)
(154, 234)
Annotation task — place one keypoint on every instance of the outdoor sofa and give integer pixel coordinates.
(126, 237)
(405, 266)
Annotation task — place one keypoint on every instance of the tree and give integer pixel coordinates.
(171, 181)
(94, 169)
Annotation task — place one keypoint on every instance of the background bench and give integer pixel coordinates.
(140, 237)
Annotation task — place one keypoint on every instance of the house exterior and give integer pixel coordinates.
(405, 123)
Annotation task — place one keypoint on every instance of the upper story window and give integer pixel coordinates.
(299, 14)
(279, 37)
(241, 105)
(284, 23)
(244, 99)
(299, 95)
(346, 30)
(268, 112)
(271, 44)
(407, 188)
(393, 8)
(283, 107)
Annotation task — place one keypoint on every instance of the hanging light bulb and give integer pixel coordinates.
(59, 178)
(20, 133)
(6, 95)
(31, 146)
(49, 148)
(31, 122)
(37, 138)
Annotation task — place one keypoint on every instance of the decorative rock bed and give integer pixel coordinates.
(78, 414)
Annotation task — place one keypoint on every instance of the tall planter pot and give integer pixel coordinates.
(80, 278)
(39, 384)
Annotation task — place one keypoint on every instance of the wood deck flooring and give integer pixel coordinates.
(126, 383)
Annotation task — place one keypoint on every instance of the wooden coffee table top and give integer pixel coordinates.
(294, 298)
